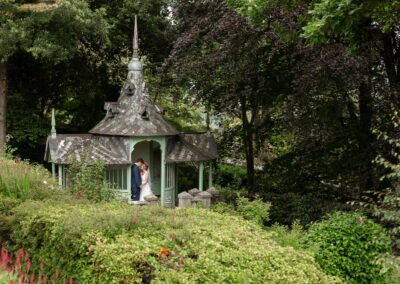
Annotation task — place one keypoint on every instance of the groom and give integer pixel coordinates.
(136, 179)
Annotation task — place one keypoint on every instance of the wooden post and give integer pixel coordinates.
(60, 175)
(128, 181)
(210, 181)
(53, 170)
(201, 176)
(163, 165)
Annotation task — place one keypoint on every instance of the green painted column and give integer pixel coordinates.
(128, 182)
(53, 170)
(201, 176)
(60, 175)
(210, 181)
(163, 170)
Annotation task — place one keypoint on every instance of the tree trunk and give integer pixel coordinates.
(247, 136)
(365, 139)
(390, 66)
(3, 104)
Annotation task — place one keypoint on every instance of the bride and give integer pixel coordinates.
(146, 182)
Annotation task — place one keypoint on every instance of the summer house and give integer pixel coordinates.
(133, 127)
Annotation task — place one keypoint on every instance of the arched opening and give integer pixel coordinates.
(150, 152)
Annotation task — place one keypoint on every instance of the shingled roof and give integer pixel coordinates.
(134, 114)
(191, 147)
(66, 148)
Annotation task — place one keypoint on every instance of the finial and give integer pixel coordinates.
(135, 64)
(53, 124)
(135, 40)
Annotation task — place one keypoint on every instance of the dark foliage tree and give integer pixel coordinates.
(229, 66)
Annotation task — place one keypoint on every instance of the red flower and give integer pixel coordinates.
(163, 252)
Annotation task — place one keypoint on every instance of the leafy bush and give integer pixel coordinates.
(306, 207)
(224, 208)
(230, 176)
(116, 243)
(348, 245)
(6, 206)
(87, 180)
(388, 206)
(256, 211)
(288, 237)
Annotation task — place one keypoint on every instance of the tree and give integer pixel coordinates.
(51, 31)
(229, 66)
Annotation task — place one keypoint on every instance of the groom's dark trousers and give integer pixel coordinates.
(136, 181)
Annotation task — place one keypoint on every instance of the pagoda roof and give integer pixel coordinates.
(134, 114)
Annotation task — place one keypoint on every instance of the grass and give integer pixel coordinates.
(22, 180)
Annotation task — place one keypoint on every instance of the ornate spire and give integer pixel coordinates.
(135, 64)
(135, 40)
(53, 124)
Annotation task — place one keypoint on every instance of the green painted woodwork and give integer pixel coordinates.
(201, 176)
(128, 182)
(117, 177)
(154, 153)
(53, 170)
(60, 175)
(210, 181)
(169, 190)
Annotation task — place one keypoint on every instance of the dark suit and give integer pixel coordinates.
(136, 181)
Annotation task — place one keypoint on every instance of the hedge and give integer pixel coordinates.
(116, 243)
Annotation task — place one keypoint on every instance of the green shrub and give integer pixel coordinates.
(288, 237)
(6, 206)
(256, 210)
(224, 208)
(230, 176)
(348, 245)
(116, 243)
(87, 180)
(387, 206)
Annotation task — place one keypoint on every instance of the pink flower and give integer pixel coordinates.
(28, 264)
(32, 280)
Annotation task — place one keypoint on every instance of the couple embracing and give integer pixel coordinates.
(140, 181)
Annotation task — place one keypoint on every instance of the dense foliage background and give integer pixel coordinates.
(295, 91)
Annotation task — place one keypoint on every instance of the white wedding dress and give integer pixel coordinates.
(146, 189)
